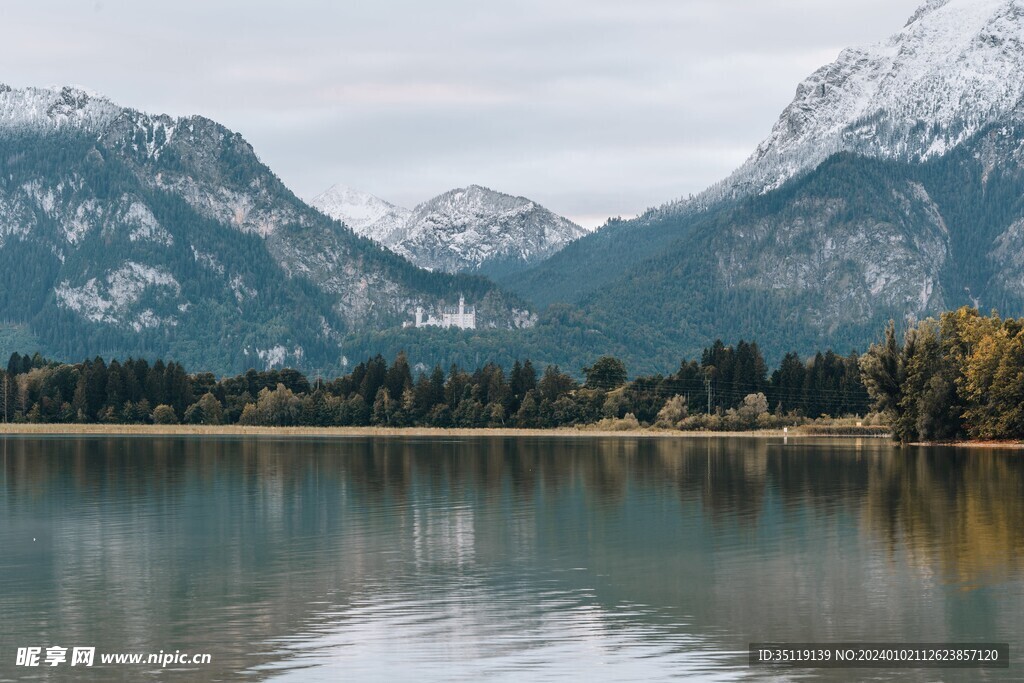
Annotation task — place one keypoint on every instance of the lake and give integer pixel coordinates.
(470, 559)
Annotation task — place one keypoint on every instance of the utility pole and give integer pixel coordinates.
(7, 382)
(709, 373)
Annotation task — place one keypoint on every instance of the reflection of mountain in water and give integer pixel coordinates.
(276, 553)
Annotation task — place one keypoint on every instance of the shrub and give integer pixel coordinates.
(164, 415)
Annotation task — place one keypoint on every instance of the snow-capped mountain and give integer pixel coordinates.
(366, 214)
(131, 233)
(892, 187)
(477, 229)
(951, 70)
(471, 229)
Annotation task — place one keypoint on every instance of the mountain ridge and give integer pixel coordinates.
(949, 72)
(472, 229)
(138, 232)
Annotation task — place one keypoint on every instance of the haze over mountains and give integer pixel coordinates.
(472, 229)
(892, 186)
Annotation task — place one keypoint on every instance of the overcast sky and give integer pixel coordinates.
(594, 108)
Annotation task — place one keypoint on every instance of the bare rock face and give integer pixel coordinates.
(851, 265)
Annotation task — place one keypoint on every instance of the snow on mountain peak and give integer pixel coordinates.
(54, 108)
(953, 69)
(929, 6)
(466, 203)
(364, 213)
(474, 227)
(460, 230)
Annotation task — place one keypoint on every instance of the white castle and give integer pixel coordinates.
(462, 317)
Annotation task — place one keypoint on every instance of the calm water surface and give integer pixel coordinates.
(501, 558)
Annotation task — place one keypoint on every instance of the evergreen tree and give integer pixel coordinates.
(399, 376)
(555, 384)
(606, 373)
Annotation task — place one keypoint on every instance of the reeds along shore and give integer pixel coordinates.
(240, 430)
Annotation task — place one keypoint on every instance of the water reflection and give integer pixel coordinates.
(463, 559)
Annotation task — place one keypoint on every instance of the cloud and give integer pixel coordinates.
(592, 107)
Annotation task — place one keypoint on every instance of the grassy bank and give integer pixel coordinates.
(239, 430)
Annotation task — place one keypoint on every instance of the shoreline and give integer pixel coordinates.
(999, 445)
(357, 432)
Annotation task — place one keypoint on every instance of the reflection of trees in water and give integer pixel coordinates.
(970, 502)
(605, 470)
(956, 513)
(726, 476)
(732, 478)
(825, 476)
(962, 510)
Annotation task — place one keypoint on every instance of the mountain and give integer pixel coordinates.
(953, 70)
(365, 214)
(475, 229)
(891, 187)
(469, 230)
(828, 258)
(124, 233)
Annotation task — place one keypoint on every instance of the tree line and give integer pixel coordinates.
(729, 387)
(958, 376)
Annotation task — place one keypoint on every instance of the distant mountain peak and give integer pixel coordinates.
(472, 228)
(475, 228)
(459, 203)
(364, 213)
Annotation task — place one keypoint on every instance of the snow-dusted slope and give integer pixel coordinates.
(469, 229)
(477, 229)
(955, 67)
(366, 214)
(27, 109)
